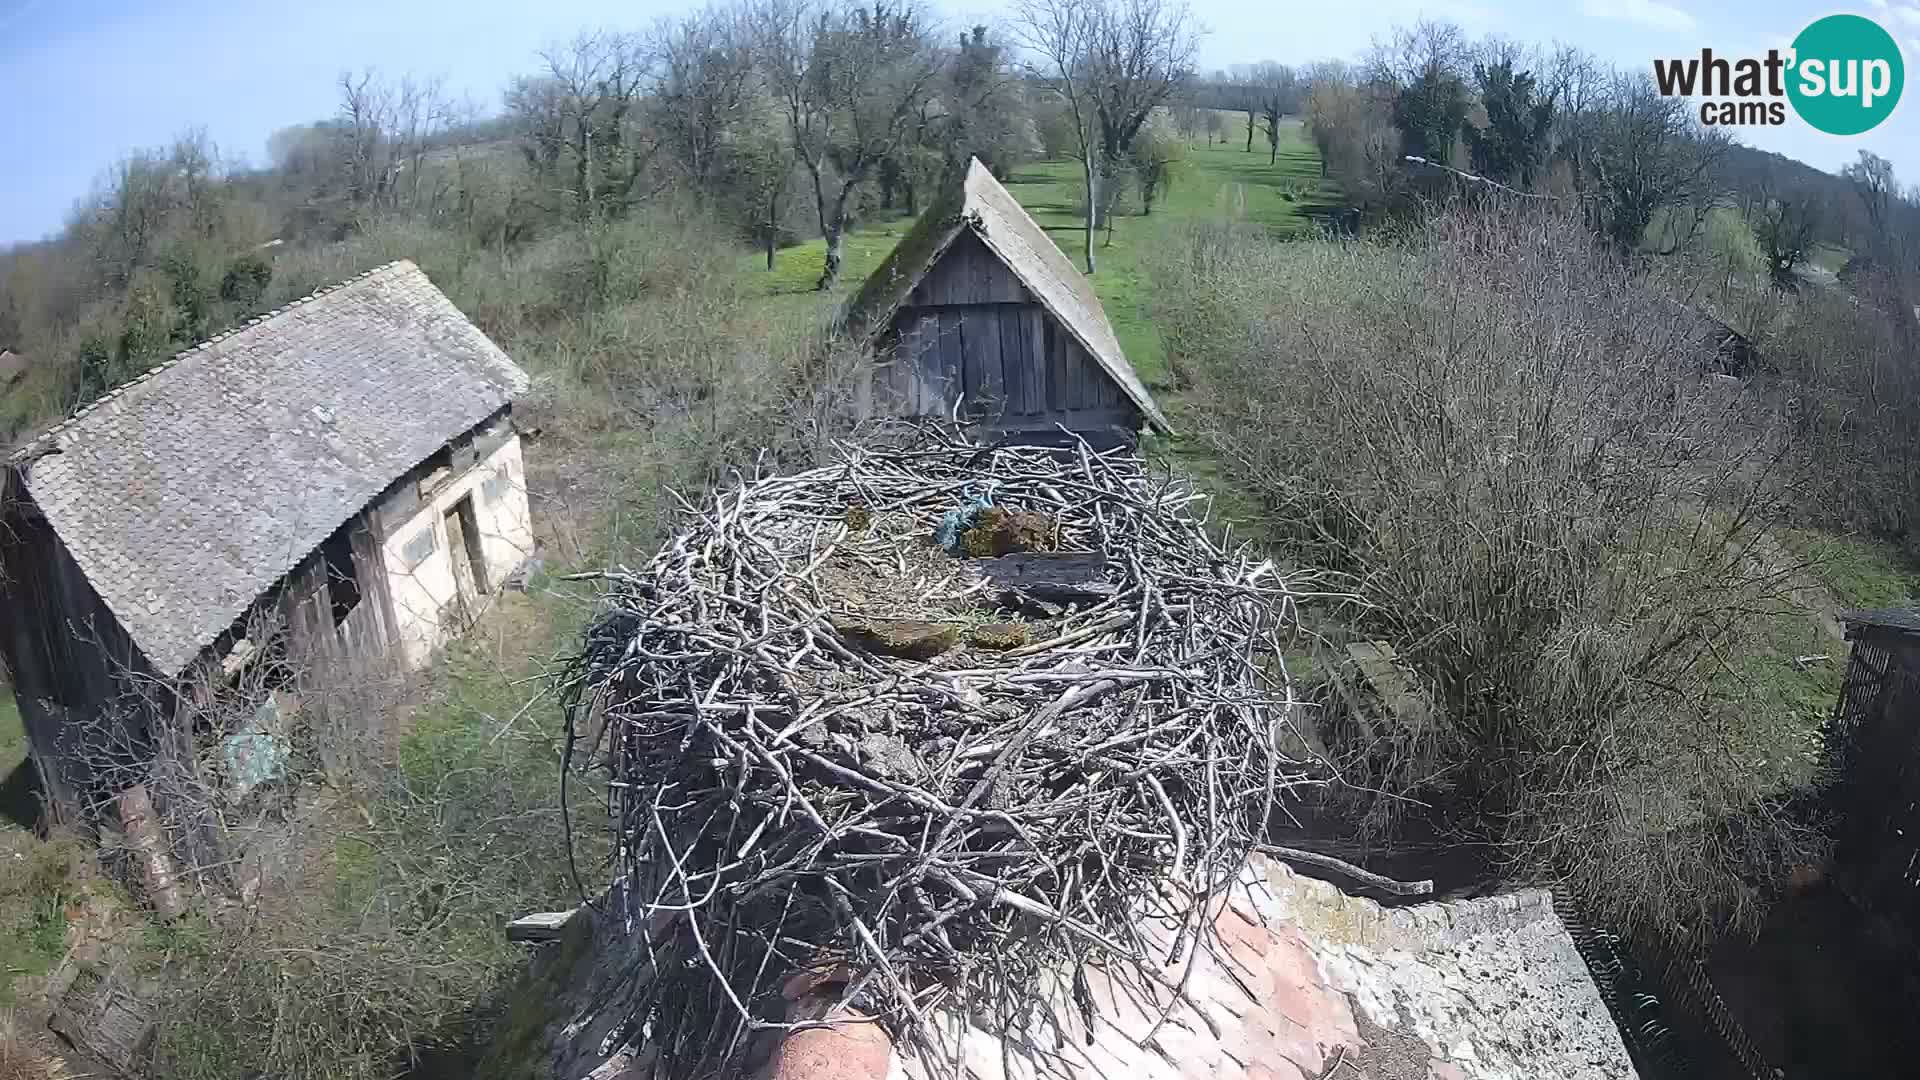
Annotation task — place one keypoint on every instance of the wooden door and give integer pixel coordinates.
(469, 564)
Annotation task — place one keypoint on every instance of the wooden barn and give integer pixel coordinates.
(343, 470)
(978, 315)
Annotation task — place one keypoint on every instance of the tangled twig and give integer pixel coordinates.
(966, 830)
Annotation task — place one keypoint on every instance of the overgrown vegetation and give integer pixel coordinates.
(379, 940)
(370, 934)
(1589, 552)
(1508, 442)
(385, 943)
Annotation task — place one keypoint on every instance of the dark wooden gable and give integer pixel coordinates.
(971, 333)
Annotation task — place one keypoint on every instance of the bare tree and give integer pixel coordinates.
(1061, 33)
(1872, 179)
(1241, 82)
(388, 128)
(579, 122)
(1352, 124)
(1577, 84)
(1787, 227)
(1425, 47)
(149, 197)
(1111, 62)
(760, 164)
(851, 81)
(1275, 93)
(1648, 153)
(706, 89)
(1186, 120)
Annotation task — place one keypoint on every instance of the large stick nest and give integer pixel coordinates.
(928, 815)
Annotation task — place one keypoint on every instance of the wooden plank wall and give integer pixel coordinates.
(1875, 746)
(971, 333)
(71, 662)
(306, 604)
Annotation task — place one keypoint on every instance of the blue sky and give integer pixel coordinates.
(87, 80)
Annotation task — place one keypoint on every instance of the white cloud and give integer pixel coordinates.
(1650, 13)
(1881, 4)
(1906, 14)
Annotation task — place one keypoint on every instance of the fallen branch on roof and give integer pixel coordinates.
(834, 749)
(1423, 887)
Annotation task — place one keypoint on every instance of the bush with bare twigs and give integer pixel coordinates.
(1511, 444)
(420, 815)
(1843, 372)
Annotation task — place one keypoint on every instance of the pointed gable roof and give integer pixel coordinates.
(187, 493)
(979, 203)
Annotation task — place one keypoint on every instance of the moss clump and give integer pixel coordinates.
(977, 542)
(858, 518)
(910, 639)
(1000, 636)
(1000, 531)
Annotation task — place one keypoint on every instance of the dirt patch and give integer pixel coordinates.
(1387, 1055)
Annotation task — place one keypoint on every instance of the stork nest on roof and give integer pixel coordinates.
(837, 751)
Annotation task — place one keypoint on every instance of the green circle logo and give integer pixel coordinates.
(1846, 76)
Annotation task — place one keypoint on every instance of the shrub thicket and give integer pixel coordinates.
(378, 892)
(1512, 446)
(1843, 373)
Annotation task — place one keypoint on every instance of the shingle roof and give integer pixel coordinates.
(1905, 620)
(979, 202)
(1297, 979)
(188, 492)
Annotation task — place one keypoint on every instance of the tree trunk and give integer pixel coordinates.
(773, 228)
(819, 195)
(1273, 158)
(836, 233)
(1249, 131)
(1093, 200)
(830, 273)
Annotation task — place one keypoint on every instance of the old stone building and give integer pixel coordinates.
(344, 469)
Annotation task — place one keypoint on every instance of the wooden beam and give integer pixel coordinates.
(541, 926)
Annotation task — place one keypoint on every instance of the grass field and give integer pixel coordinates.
(1861, 573)
(1221, 182)
(13, 736)
(32, 921)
